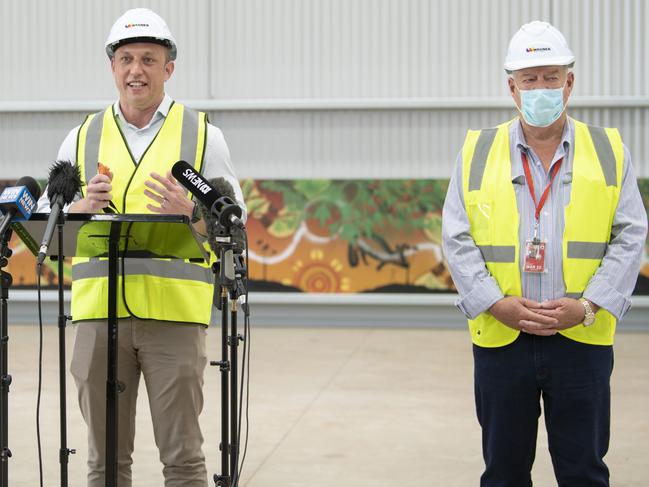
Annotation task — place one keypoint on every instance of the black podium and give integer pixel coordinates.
(115, 236)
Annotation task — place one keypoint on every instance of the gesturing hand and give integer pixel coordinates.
(523, 314)
(171, 198)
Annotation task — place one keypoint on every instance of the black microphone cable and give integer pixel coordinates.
(245, 366)
(39, 269)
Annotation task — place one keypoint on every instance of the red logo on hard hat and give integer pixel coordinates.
(128, 26)
(534, 49)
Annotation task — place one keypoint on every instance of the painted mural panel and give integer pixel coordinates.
(346, 236)
(334, 236)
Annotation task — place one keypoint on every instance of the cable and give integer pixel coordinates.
(245, 368)
(39, 269)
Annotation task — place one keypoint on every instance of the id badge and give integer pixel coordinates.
(534, 256)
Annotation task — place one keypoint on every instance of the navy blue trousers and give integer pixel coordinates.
(573, 379)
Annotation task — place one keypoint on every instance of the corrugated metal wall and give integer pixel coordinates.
(447, 54)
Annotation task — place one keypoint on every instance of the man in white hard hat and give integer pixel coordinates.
(164, 304)
(543, 230)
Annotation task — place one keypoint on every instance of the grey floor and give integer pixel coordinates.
(343, 407)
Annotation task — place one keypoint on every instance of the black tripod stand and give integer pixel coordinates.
(229, 272)
(64, 451)
(5, 378)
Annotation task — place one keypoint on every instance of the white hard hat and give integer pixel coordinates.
(140, 25)
(538, 44)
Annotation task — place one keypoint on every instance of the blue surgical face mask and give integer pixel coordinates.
(542, 107)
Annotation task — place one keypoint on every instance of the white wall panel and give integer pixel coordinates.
(364, 48)
(383, 144)
(321, 49)
(55, 50)
(321, 144)
(610, 41)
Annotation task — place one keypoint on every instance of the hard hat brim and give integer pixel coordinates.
(535, 63)
(111, 48)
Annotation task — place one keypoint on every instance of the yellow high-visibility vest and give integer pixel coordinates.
(152, 287)
(491, 207)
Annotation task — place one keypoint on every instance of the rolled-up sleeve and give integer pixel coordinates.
(477, 289)
(612, 285)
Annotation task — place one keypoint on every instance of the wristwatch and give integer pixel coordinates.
(589, 315)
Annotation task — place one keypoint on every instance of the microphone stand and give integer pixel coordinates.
(228, 286)
(64, 452)
(5, 379)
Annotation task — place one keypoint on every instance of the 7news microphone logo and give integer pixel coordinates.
(21, 198)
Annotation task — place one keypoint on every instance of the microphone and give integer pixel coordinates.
(214, 228)
(223, 207)
(63, 183)
(19, 201)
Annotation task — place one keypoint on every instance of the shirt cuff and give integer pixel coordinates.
(608, 298)
(480, 299)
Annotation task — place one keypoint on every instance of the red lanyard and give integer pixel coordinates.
(530, 183)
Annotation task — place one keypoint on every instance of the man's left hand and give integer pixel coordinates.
(170, 198)
(567, 311)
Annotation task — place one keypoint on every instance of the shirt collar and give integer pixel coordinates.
(161, 112)
(517, 140)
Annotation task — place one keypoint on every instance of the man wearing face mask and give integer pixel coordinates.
(543, 230)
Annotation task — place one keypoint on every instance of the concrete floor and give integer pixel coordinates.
(344, 407)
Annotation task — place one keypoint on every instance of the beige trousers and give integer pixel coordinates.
(172, 358)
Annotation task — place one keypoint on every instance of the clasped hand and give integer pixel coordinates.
(536, 318)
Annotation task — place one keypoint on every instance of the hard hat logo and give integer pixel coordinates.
(128, 26)
(534, 49)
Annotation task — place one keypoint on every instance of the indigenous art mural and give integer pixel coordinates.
(346, 236)
(334, 236)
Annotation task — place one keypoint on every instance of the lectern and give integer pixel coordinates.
(116, 237)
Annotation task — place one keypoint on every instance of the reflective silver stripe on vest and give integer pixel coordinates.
(586, 250)
(189, 140)
(604, 154)
(498, 253)
(91, 152)
(574, 295)
(172, 269)
(480, 154)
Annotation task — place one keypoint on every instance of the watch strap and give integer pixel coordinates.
(589, 314)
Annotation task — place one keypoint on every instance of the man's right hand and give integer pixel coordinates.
(518, 313)
(98, 195)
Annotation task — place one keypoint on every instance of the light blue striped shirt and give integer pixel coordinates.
(611, 286)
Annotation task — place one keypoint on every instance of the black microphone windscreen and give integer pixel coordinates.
(195, 183)
(223, 187)
(31, 184)
(64, 180)
(212, 226)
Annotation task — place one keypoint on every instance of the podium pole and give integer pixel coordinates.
(5, 378)
(111, 375)
(226, 279)
(234, 440)
(64, 451)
